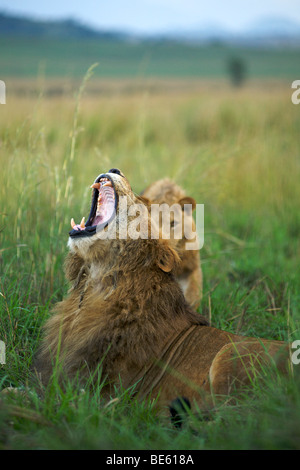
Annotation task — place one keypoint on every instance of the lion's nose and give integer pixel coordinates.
(115, 170)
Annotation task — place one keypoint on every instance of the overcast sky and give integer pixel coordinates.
(157, 15)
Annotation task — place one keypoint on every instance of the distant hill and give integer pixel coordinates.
(18, 26)
(268, 31)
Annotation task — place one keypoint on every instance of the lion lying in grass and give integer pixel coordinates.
(188, 272)
(126, 312)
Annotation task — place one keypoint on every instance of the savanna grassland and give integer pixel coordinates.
(235, 150)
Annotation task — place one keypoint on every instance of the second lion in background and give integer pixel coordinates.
(188, 272)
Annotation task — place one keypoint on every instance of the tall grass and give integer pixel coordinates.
(236, 152)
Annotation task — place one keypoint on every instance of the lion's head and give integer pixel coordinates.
(117, 214)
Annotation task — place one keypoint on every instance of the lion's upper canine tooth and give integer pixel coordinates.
(108, 183)
(72, 223)
(96, 186)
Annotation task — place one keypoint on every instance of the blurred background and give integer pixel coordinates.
(236, 41)
(197, 91)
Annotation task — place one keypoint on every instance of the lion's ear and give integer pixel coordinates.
(167, 257)
(188, 200)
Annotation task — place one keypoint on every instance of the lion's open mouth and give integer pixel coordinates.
(103, 208)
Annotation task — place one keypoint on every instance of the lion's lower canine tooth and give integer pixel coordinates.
(72, 223)
(82, 222)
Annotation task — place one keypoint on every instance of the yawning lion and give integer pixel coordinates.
(126, 311)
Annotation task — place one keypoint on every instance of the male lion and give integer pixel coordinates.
(188, 272)
(126, 312)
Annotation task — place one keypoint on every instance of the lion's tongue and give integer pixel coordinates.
(105, 205)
